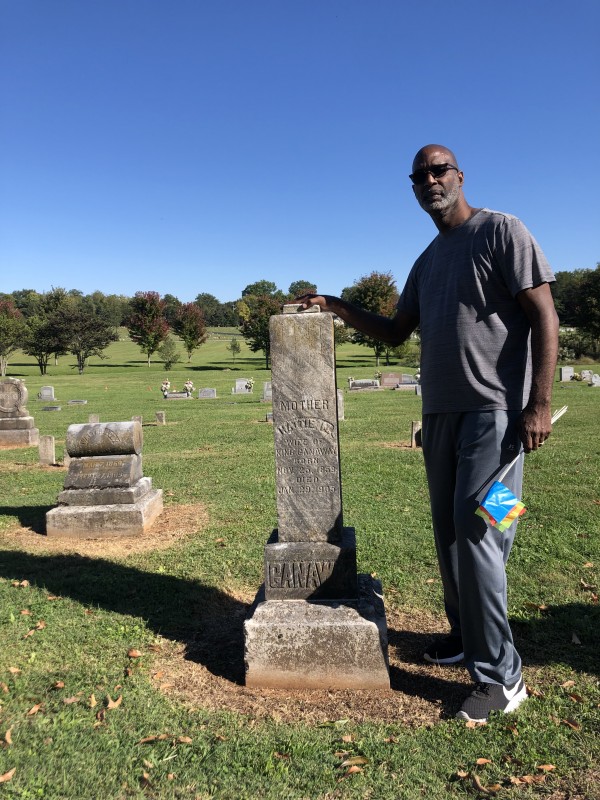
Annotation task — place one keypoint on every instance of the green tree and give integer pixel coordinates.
(261, 288)
(12, 329)
(27, 301)
(189, 325)
(168, 352)
(587, 307)
(146, 322)
(171, 308)
(234, 348)
(255, 312)
(42, 339)
(566, 292)
(89, 331)
(375, 292)
(298, 288)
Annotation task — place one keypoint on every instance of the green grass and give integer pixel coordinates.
(220, 453)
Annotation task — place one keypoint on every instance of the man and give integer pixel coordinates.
(489, 341)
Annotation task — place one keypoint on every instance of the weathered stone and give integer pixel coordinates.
(307, 466)
(94, 419)
(19, 438)
(105, 521)
(102, 472)
(161, 417)
(566, 373)
(340, 405)
(16, 426)
(47, 450)
(104, 439)
(13, 398)
(46, 393)
(416, 439)
(207, 394)
(311, 570)
(300, 645)
(104, 497)
(77, 402)
(389, 380)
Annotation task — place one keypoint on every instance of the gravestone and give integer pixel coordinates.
(315, 623)
(340, 405)
(415, 434)
(595, 381)
(136, 418)
(207, 394)
(586, 374)
(51, 408)
(177, 396)
(566, 373)
(77, 402)
(267, 395)
(242, 386)
(389, 380)
(47, 451)
(161, 418)
(356, 384)
(46, 394)
(94, 418)
(105, 493)
(16, 425)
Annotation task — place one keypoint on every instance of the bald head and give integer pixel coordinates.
(426, 153)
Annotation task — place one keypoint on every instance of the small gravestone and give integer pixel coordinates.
(138, 418)
(595, 380)
(389, 380)
(161, 418)
(407, 378)
(415, 434)
(105, 493)
(77, 402)
(207, 394)
(267, 395)
(16, 425)
(315, 624)
(269, 417)
(46, 394)
(586, 374)
(340, 405)
(51, 408)
(418, 390)
(566, 374)
(362, 384)
(47, 450)
(242, 386)
(177, 396)
(94, 418)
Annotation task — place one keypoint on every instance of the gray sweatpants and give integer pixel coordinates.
(464, 453)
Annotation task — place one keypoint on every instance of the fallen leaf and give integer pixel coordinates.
(534, 692)
(351, 771)
(472, 724)
(514, 730)
(546, 767)
(184, 739)
(70, 700)
(29, 633)
(145, 780)
(113, 703)
(14, 670)
(92, 701)
(52, 597)
(430, 580)
(348, 738)
(571, 723)
(8, 736)
(587, 587)
(4, 687)
(147, 739)
(158, 675)
(566, 684)
(100, 716)
(577, 698)
(40, 625)
(34, 710)
(154, 648)
(147, 764)
(25, 612)
(354, 761)
(481, 761)
(588, 565)
(7, 775)
(133, 653)
(58, 685)
(282, 756)
(170, 776)
(537, 606)
(462, 774)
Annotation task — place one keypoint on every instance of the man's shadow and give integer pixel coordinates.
(207, 620)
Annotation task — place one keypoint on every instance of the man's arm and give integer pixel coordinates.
(537, 303)
(392, 330)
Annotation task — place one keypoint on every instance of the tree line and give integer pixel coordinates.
(48, 325)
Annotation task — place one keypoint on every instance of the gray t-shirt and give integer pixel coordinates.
(475, 352)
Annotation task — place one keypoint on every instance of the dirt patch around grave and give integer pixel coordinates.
(207, 672)
(175, 523)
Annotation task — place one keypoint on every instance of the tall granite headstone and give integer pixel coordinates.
(105, 493)
(16, 426)
(315, 623)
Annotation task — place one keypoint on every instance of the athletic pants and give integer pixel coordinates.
(464, 453)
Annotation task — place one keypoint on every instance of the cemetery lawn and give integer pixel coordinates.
(121, 663)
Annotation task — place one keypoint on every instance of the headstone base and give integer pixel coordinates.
(19, 438)
(294, 644)
(105, 521)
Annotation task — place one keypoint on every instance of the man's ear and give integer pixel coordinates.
(461, 177)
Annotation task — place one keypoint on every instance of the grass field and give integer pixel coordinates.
(121, 665)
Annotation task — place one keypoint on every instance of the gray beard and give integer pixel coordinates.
(443, 203)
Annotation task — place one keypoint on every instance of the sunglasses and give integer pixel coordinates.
(436, 171)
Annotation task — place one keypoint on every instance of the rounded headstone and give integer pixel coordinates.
(104, 439)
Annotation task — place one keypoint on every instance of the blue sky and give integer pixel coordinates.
(189, 146)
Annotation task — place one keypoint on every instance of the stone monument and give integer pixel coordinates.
(16, 426)
(315, 623)
(105, 493)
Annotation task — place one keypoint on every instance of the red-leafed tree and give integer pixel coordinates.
(189, 325)
(146, 322)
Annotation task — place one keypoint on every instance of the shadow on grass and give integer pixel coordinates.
(208, 621)
(33, 517)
